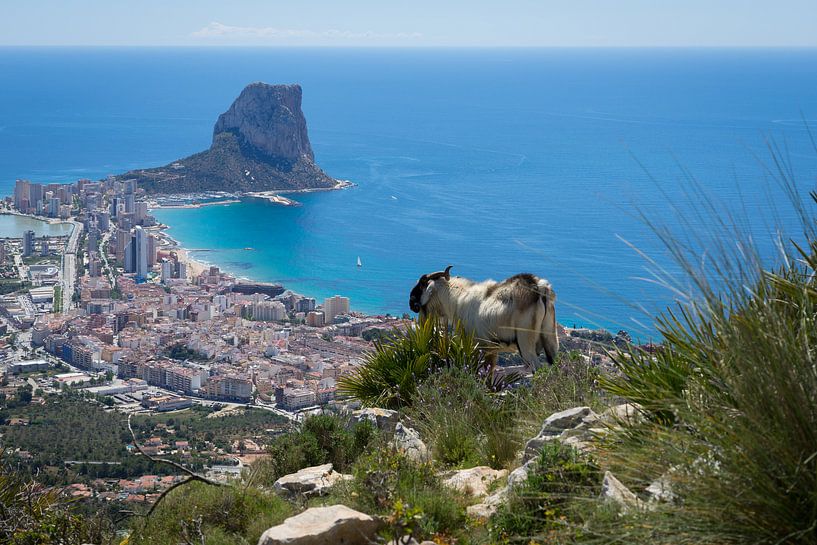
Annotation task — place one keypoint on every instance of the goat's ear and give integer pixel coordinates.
(428, 291)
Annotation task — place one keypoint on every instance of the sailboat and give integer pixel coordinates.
(359, 263)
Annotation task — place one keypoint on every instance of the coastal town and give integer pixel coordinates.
(116, 311)
(126, 300)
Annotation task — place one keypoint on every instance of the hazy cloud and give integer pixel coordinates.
(217, 30)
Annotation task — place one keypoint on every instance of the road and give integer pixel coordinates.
(69, 265)
(103, 253)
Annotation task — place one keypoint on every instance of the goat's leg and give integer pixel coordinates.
(526, 340)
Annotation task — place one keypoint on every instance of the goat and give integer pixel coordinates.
(518, 313)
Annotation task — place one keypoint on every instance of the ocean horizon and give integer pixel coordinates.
(496, 161)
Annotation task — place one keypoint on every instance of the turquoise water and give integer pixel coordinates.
(12, 226)
(495, 161)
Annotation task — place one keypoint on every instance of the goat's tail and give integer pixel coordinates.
(545, 290)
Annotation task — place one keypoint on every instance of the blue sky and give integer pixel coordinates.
(410, 23)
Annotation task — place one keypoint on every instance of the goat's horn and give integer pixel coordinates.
(440, 274)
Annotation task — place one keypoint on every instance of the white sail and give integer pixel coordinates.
(359, 264)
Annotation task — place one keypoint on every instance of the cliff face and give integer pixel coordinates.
(260, 143)
(269, 119)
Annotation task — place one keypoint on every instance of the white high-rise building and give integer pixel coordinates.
(22, 195)
(167, 271)
(268, 311)
(53, 207)
(140, 253)
(335, 306)
(28, 243)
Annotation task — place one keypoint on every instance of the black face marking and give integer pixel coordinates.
(416, 295)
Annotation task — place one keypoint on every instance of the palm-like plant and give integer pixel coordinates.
(391, 373)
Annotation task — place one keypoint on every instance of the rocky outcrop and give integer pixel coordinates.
(268, 118)
(382, 419)
(310, 481)
(573, 427)
(474, 481)
(520, 475)
(488, 506)
(260, 143)
(614, 491)
(324, 526)
(407, 441)
(624, 414)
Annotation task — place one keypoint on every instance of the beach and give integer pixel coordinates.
(168, 243)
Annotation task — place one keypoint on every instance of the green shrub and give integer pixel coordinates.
(387, 483)
(464, 422)
(391, 373)
(200, 513)
(732, 400)
(545, 506)
(320, 439)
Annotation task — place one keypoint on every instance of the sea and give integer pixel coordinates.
(559, 162)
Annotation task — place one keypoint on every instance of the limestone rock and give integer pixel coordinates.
(626, 413)
(408, 441)
(571, 427)
(259, 144)
(382, 419)
(613, 490)
(520, 475)
(474, 481)
(268, 118)
(486, 509)
(331, 525)
(310, 481)
(660, 490)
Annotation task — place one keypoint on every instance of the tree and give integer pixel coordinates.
(24, 394)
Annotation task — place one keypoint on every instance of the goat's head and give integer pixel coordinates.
(423, 290)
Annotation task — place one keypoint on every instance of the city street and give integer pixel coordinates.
(69, 265)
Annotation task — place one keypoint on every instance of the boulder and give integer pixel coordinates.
(310, 481)
(382, 419)
(474, 481)
(331, 525)
(571, 427)
(487, 507)
(660, 490)
(520, 475)
(613, 490)
(626, 413)
(408, 441)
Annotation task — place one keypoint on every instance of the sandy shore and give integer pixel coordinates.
(166, 242)
(194, 267)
